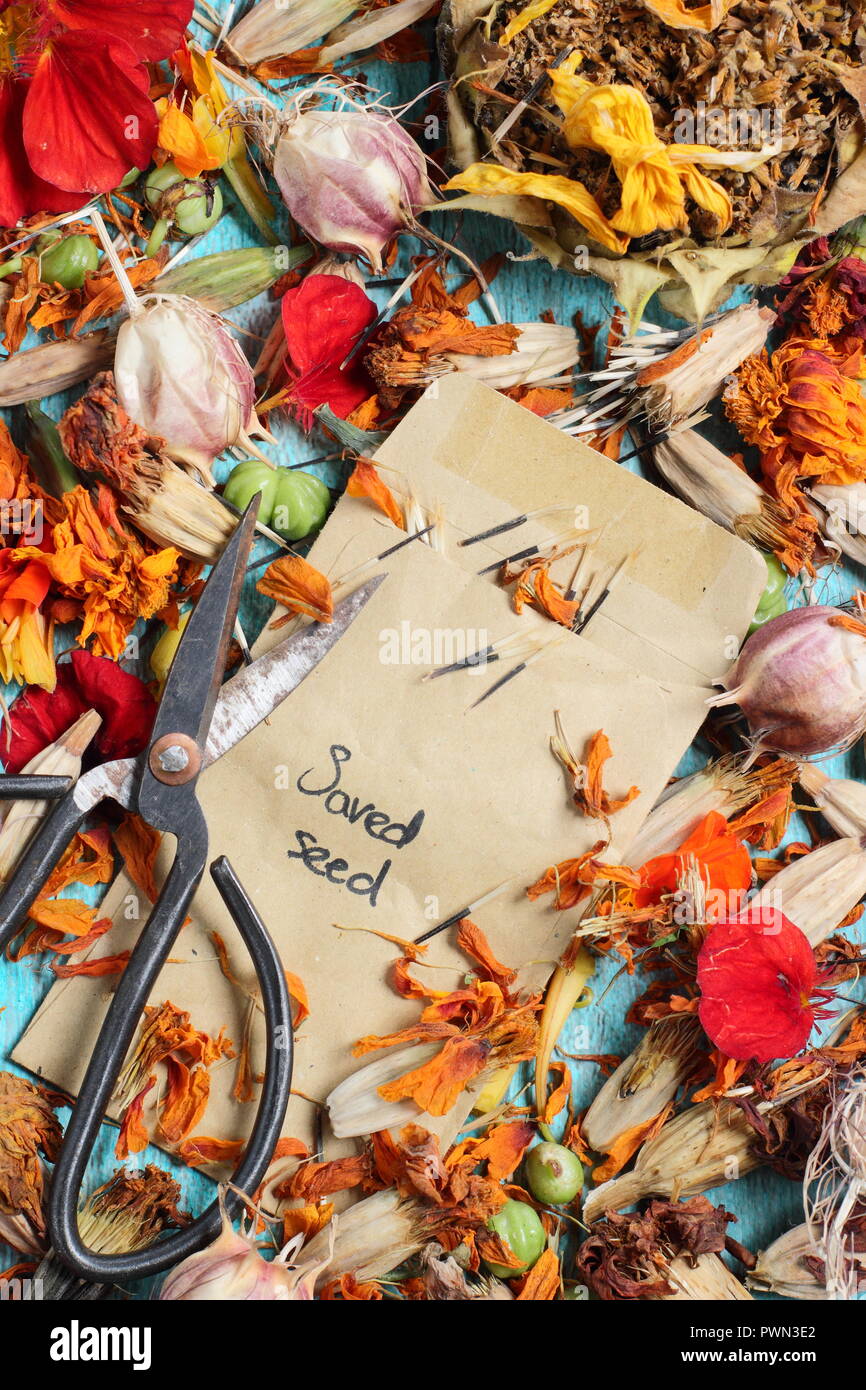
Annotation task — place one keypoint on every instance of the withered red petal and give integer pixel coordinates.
(22, 192)
(152, 28)
(87, 116)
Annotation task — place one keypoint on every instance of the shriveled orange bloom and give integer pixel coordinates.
(558, 1097)
(678, 15)
(726, 1073)
(572, 879)
(28, 1128)
(587, 788)
(200, 1149)
(313, 1181)
(805, 412)
(138, 844)
(365, 482)
(722, 860)
(348, 1289)
(628, 1143)
(190, 136)
(133, 1135)
(474, 944)
(543, 1282)
(112, 574)
(502, 1148)
(26, 631)
(541, 400)
(169, 1038)
(98, 967)
(306, 1220)
(481, 1025)
(87, 861)
(299, 587)
(536, 587)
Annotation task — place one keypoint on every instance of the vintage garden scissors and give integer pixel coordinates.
(197, 721)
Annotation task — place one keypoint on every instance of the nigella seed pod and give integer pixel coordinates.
(181, 376)
(231, 1270)
(351, 176)
(800, 680)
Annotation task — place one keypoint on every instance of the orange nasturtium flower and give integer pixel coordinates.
(722, 860)
(190, 134)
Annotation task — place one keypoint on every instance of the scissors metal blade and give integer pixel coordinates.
(254, 693)
(243, 702)
(194, 677)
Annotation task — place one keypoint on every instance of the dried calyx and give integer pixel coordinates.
(126, 1213)
(29, 1135)
(670, 1250)
(163, 501)
(789, 1267)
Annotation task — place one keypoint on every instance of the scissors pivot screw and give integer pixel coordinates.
(175, 759)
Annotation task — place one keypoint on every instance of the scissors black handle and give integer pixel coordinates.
(40, 857)
(136, 984)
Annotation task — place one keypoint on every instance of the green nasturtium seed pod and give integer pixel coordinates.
(554, 1174)
(67, 260)
(519, 1227)
(772, 602)
(293, 503)
(190, 206)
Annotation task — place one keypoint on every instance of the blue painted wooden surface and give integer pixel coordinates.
(764, 1203)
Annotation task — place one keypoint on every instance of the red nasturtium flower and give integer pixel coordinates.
(85, 682)
(759, 986)
(75, 113)
(322, 321)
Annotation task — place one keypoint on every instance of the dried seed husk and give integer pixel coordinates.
(841, 801)
(782, 1268)
(705, 1279)
(126, 1213)
(565, 988)
(715, 485)
(840, 509)
(355, 1107)
(274, 29)
(704, 1147)
(60, 759)
(163, 501)
(724, 786)
(369, 1239)
(817, 890)
(644, 1082)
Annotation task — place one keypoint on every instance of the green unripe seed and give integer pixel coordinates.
(293, 503)
(772, 602)
(554, 1174)
(67, 261)
(519, 1227)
